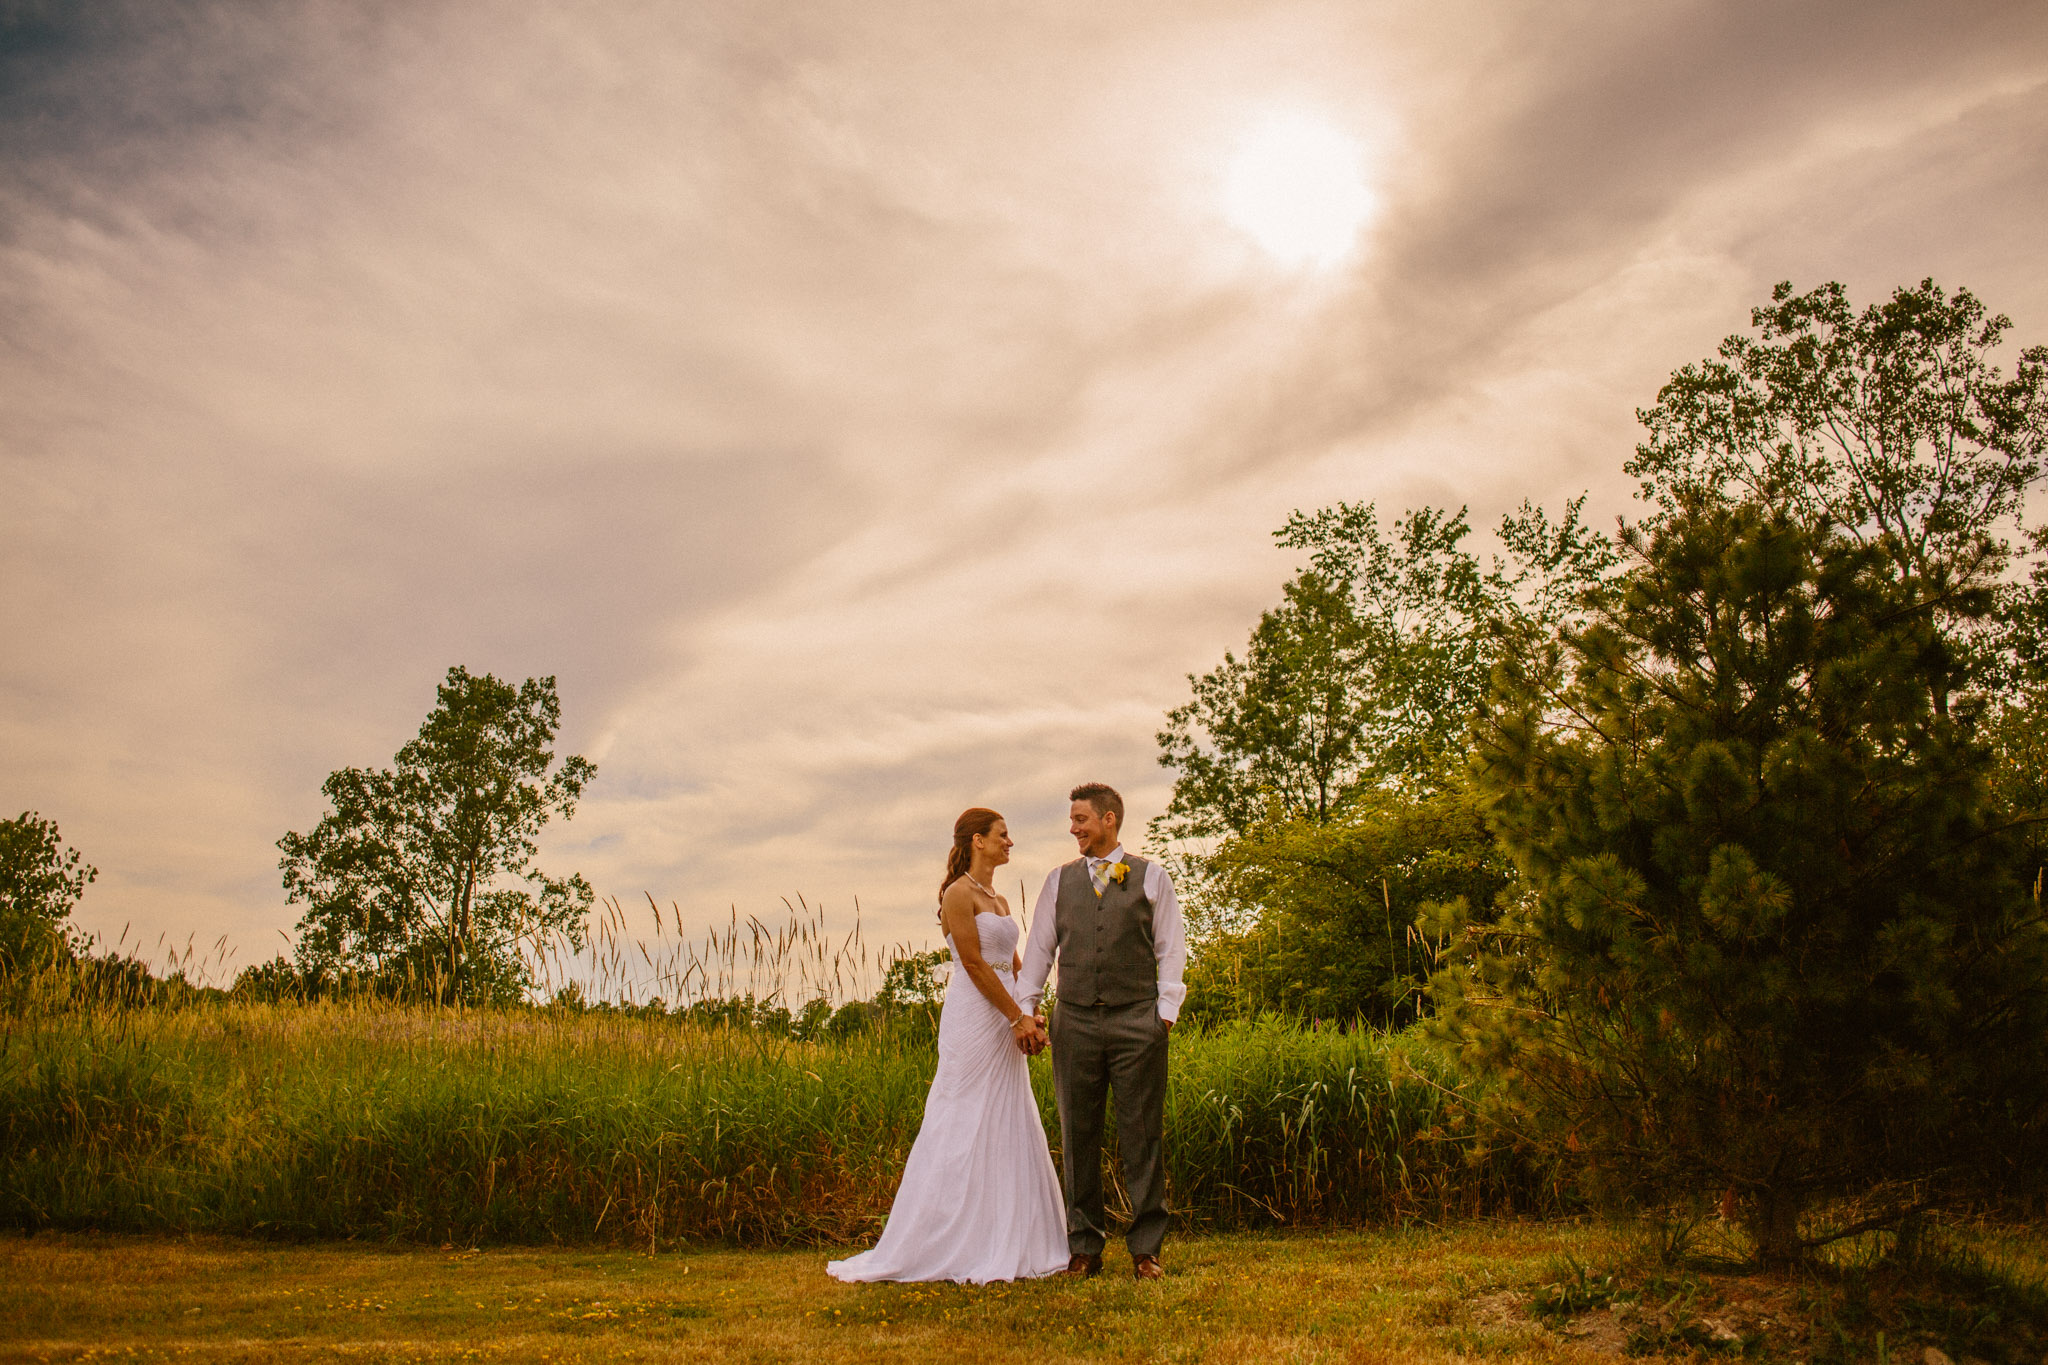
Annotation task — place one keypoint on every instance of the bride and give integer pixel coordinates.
(979, 1200)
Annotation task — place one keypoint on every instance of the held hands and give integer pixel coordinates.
(1028, 1030)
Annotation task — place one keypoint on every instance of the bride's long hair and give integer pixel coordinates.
(974, 820)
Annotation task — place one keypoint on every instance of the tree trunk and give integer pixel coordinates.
(1912, 1238)
(1771, 1218)
(458, 938)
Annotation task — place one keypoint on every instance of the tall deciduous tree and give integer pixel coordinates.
(40, 881)
(1368, 672)
(425, 870)
(1769, 941)
(1281, 727)
(1332, 936)
(1889, 425)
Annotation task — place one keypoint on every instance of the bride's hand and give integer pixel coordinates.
(1029, 1034)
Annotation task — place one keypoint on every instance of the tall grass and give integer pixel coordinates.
(1273, 1122)
(717, 1097)
(622, 957)
(784, 964)
(359, 1120)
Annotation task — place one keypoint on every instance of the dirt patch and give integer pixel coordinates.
(1502, 1308)
(1818, 1318)
(1691, 1318)
(1599, 1331)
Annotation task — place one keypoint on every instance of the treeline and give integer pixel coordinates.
(43, 956)
(906, 1003)
(1715, 844)
(746, 978)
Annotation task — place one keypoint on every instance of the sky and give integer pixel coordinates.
(863, 410)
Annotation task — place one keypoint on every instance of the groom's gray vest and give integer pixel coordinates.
(1104, 945)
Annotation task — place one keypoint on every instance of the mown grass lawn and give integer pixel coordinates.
(1419, 1294)
(1383, 1295)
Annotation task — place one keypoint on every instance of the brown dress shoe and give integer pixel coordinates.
(1145, 1267)
(1083, 1267)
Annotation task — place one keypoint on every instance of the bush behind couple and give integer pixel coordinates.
(979, 1200)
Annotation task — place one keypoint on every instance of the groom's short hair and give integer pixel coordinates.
(1102, 797)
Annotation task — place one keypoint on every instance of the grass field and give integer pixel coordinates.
(564, 1186)
(1464, 1293)
(1347, 1296)
(380, 1122)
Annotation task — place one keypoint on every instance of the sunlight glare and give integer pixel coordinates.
(1294, 187)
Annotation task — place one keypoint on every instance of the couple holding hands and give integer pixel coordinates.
(979, 1200)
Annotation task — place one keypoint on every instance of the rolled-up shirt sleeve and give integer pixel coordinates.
(1169, 941)
(1038, 948)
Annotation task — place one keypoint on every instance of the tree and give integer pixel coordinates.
(1282, 727)
(1768, 941)
(912, 980)
(423, 872)
(2018, 735)
(1367, 673)
(40, 881)
(1327, 930)
(1888, 425)
(275, 980)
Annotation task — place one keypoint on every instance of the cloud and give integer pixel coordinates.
(864, 410)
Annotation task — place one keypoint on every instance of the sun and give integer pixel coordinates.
(1296, 187)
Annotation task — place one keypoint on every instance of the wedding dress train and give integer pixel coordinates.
(979, 1199)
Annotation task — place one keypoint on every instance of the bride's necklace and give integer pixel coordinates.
(978, 886)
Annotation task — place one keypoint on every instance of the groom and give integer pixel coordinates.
(1113, 923)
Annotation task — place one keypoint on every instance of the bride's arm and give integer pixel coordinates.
(956, 912)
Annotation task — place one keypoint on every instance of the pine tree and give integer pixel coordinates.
(1769, 942)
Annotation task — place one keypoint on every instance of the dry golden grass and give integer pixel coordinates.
(1350, 1296)
(1424, 1295)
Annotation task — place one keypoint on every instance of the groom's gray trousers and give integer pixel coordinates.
(1099, 1050)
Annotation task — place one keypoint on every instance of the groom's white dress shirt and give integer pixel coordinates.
(1169, 937)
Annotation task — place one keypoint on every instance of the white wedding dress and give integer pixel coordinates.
(979, 1200)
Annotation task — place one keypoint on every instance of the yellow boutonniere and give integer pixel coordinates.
(1117, 871)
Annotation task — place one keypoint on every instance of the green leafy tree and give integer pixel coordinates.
(1367, 673)
(1282, 727)
(1329, 929)
(423, 873)
(2018, 735)
(1318, 766)
(912, 980)
(1889, 425)
(1767, 942)
(274, 981)
(40, 882)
